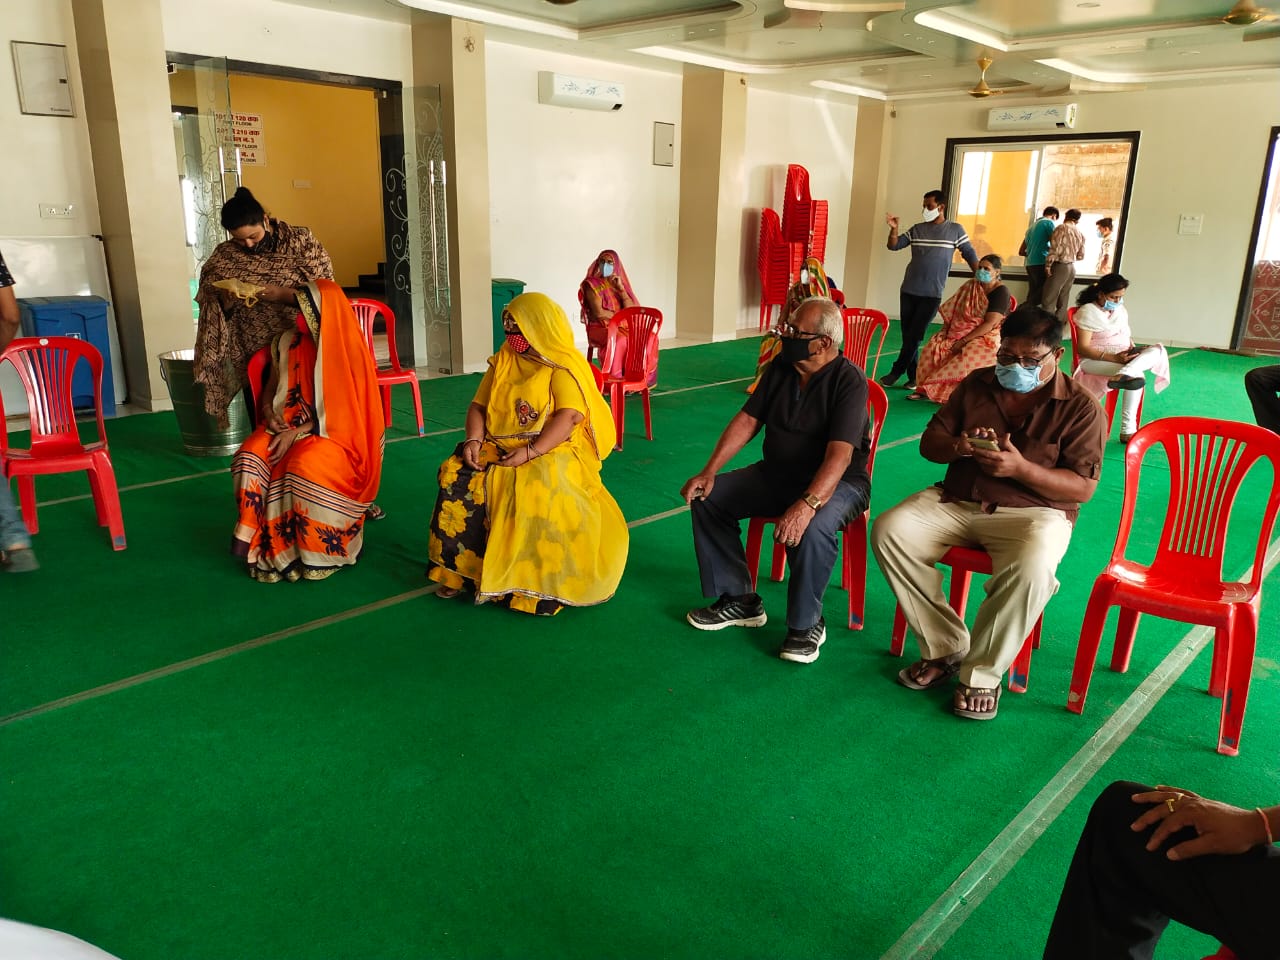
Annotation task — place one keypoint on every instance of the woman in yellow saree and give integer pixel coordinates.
(306, 476)
(522, 516)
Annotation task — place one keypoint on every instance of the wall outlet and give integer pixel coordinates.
(57, 211)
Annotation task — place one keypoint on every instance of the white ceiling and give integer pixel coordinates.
(925, 51)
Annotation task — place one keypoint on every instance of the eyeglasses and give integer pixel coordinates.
(795, 333)
(1008, 360)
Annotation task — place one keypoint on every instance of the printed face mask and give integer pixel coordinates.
(1018, 378)
(517, 342)
(928, 215)
(606, 269)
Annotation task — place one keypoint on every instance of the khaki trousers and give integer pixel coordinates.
(1026, 544)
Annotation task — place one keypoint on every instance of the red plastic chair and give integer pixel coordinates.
(366, 312)
(860, 327)
(1111, 396)
(639, 367)
(1207, 460)
(45, 366)
(853, 569)
(964, 562)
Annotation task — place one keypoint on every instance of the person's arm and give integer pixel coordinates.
(989, 322)
(793, 523)
(623, 297)
(896, 240)
(967, 252)
(736, 435)
(939, 445)
(475, 435)
(1220, 827)
(1084, 343)
(554, 432)
(10, 316)
(595, 311)
(1052, 483)
(319, 263)
(1022, 250)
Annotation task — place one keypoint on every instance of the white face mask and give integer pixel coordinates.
(928, 215)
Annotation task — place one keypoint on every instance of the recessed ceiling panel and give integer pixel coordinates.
(1018, 20)
(602, 14)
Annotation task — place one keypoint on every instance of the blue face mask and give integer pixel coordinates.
(1018, 378)
(983, 275)
(606, 269)
(1110, 305)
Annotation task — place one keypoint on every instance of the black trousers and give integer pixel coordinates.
(751, 492)
(1118, 897)
(1036, 276)
(1263, 386)
(914, 316)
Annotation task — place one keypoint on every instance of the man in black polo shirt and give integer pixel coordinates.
(812, 403)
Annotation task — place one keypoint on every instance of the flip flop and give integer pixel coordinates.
(448, 593)
(375, 512)
(948, 669)
(968, 692)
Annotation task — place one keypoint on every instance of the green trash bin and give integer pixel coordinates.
(201, 435)
(504, 291)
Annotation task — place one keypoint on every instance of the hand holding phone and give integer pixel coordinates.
(983, 443)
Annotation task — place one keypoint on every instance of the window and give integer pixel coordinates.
(998, 188)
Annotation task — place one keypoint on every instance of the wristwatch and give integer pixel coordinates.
(813, 501)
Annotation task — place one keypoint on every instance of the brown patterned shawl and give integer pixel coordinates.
(228, 336)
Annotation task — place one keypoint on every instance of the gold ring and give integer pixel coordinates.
(1172, 802)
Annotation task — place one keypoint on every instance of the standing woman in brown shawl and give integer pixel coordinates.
(247, 294)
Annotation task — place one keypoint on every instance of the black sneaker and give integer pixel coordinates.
(802, 645)
(889, 379)
(20, 561)
(730, 612)
(910, 384)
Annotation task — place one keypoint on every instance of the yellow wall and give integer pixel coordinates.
(326, 136)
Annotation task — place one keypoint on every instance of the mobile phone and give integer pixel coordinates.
(983, 443)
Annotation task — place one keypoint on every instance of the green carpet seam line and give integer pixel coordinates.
(209, 473)
(948, 913)
(212, 656)
(435, 433)
(262, 641)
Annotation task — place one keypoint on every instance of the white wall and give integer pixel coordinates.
(289, 35)
(815, 133)
(44, 159)
(565, 184)
(1201, 150)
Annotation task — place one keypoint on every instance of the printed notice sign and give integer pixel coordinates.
(246, 135)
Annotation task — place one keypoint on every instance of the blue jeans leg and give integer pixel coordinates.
(814, 557)
(13, 532)
(717, 527)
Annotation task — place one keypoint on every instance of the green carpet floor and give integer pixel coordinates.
(396, 776)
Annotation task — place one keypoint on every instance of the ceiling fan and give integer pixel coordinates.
(981, 91)
(1246, 13)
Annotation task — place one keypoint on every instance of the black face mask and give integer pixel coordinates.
(795, 349)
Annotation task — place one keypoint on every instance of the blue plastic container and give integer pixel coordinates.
(84, 318)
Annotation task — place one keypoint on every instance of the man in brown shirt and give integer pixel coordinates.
(1066, 249)
(1023, 447)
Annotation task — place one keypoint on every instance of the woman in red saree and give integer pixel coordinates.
(605, 290)
(970, 334)
(306, 476)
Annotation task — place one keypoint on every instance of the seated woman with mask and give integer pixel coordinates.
(604, 291)
(970, 334)
(306, 476)
(1109, 359)
(522, 517)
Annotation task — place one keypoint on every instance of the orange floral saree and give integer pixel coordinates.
(302, 516)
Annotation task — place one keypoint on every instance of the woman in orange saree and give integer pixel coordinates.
(970, 334)
(306, 476)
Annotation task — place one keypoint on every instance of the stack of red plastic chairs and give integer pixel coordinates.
(774, 259)
(784, 245)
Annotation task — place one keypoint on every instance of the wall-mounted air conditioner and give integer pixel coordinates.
(1044, 116)
(561, 90)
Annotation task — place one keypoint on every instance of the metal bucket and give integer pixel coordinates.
(201, 435)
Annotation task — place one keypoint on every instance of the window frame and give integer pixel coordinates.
(951, 187)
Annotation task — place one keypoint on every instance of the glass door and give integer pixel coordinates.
(1258, 316)
(430, 221)
(208, 161)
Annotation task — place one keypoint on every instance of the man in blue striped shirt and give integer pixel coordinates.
(933, 242)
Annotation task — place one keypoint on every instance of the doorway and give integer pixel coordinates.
(1257, 328)
(319, 150)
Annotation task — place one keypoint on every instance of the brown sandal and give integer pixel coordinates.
(447, 593)
(909, 677)
(968, 693)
